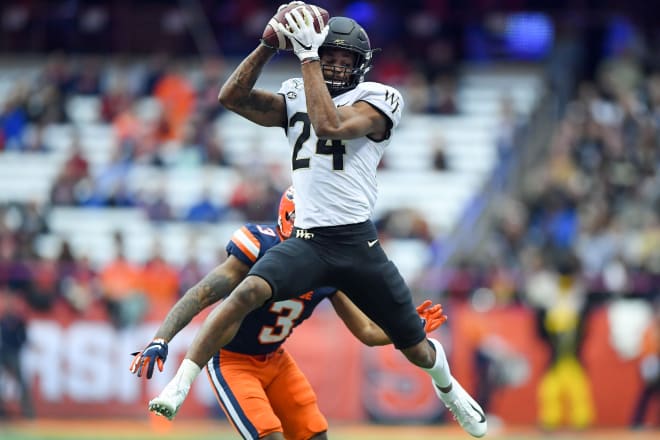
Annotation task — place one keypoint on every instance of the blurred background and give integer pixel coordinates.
(521, 190)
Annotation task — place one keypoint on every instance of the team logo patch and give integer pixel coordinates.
(304, 234)
(393, 99)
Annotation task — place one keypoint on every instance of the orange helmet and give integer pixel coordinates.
(286, 213)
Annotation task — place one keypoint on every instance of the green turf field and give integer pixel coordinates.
(205, 430)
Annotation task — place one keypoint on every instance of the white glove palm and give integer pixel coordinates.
(304, 38)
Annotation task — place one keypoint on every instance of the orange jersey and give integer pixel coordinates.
(266, 328)
(258, 385)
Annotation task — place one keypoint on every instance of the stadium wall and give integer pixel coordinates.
(78, 367)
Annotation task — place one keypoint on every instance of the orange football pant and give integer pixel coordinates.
(263, 394)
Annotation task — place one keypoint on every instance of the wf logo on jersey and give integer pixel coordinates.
(393, 99)
(305, 235)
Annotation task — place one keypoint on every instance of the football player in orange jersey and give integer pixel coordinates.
(255, 357)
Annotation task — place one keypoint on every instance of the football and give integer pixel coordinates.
(274, 38)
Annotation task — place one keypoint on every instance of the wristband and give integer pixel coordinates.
(263, 43)
(310, 60)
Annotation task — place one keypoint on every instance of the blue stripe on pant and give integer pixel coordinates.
(229, 402)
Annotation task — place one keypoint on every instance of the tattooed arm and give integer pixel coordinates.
(239, 95)
(214, 286)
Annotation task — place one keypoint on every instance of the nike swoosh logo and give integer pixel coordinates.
(483, 417)
(303, 46)
(372, 243)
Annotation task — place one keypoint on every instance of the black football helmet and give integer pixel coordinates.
(345, 33)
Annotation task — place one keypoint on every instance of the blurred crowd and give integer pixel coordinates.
(595, 199)
(163, 113)
(582, 231)
(179, 132)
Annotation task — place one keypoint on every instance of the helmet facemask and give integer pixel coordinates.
(352, 76)
(346, 34)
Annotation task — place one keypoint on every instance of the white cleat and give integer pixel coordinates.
(465, 409)
(169, 401)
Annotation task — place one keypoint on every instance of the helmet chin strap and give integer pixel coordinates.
(338, 88)
(336, 84)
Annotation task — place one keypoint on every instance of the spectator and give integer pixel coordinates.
(160, 280)
(204, 210)
(462, 280)
(63, 191)
(417, 92)
(497, 364)
(73, 181)
(444, 100)
(77, 163)
(57, 73)
(177, 97)
(208, 108)
(35, 141)
(109, 184)
(620, 73)
(254, 198)
(190, 272)
(404, 224)
(87, 80)
(28, 219)
(13, 121)
(117, 99)
(188, 153)
(78, 280)
(44, 283)
(121, 288)
(155, 71)
(564, 390)
(13, 337)
(156, 205)
(214, 149)
(507, 125)
(15, 271)
(439, 147)
(46, 105)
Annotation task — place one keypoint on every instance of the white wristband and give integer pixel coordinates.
(304, 54)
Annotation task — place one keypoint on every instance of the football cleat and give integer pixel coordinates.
(169, 401)
(465, 409)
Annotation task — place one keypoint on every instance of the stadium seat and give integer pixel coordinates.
(468, 140)
(83, 109)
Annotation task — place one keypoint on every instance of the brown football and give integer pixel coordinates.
(272, 37)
